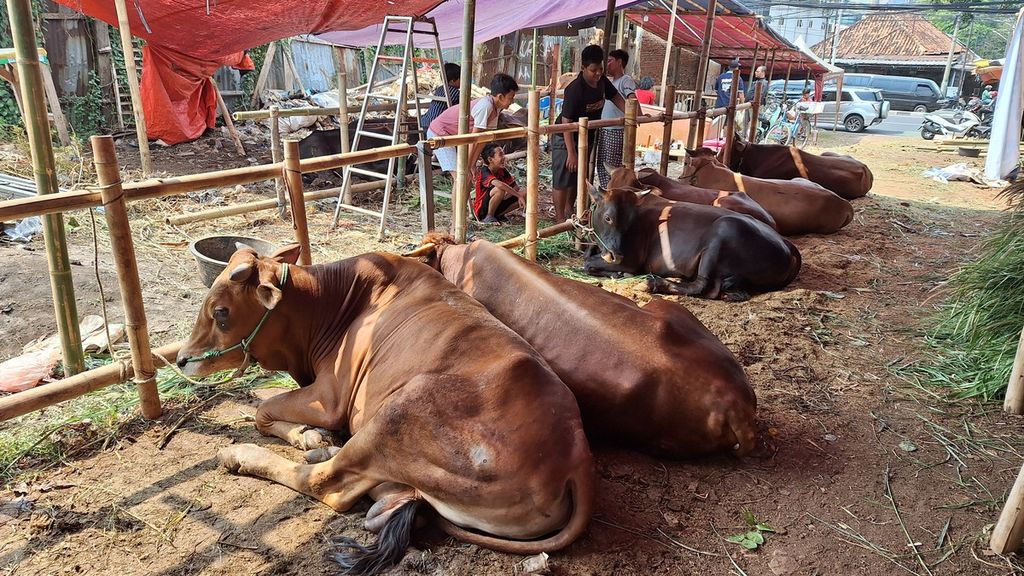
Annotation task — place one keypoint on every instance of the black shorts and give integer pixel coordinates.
(502, 208)
(561, 177)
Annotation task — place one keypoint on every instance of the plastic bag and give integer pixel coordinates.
(25, 230)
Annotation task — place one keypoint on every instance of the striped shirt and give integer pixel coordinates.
(436, 107)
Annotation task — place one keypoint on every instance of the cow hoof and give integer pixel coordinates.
(235, 457)
(654, 284)
(321, 454)
(314, 438)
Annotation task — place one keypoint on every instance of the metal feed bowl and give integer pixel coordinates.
(213, 252)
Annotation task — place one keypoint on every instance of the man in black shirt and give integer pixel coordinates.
(584, 96)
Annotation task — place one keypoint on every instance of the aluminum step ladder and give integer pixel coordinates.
(406, 25)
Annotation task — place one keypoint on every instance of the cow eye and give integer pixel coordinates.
(607, 218)
(220, 314)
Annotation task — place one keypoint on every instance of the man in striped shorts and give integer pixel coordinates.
(609, 147)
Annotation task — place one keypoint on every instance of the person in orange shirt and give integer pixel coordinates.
(644, 93)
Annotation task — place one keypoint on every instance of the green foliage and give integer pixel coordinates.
(258, 55)
(754, 537)
(9, 114)
(985, 34)
(85, 113)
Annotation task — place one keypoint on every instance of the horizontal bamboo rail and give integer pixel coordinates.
(317, 111)
(74, 386)
(516, 241)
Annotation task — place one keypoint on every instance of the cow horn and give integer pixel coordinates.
(642, 193)
(421, 250)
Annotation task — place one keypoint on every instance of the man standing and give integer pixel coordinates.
(452, 73)
(584, 96)
(723, 87)
(609, 145)
(759, 79)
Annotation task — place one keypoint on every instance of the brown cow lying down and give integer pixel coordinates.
(846, 176)
(669, 189)
(716, 252)
(445, 406)
(798, 206)
(651, 378)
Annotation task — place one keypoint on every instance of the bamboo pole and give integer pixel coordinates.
(556, 71)
(730, 120)
(533, 60)
(460, 194)
(753, 65)
(666, 137)
(476, 138)
(785, 84)
(702, 75)
(1008, 534)
(1014, 403)
(238, 209)
(275, 156)
(293, 181)
(43, 167)
(532, 175)
(583, 154)
(755, 109)
(133, 86)
(34, 399)
(609, 19)
(517, 241)
(670, 42)
(629, 134)
(339, 56)
(108, 175)
(268, 62)
(226, 114)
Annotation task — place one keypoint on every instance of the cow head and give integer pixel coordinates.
(430, 249)
(612, 216)
(621, 177)
(698, 159)
(248, 287)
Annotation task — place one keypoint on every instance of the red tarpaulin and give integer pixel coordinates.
(178, 96)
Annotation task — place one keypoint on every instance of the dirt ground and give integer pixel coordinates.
(822, 356)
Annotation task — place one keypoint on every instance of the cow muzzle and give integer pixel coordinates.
(611, 257)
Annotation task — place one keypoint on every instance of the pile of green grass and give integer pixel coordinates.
(975, 333)
(33, 442)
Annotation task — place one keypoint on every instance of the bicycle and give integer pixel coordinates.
(792, 129)
(770, 114)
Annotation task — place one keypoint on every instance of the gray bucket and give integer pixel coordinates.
(213, 252)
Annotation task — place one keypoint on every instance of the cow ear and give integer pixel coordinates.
(242, 272)
(268, 295)
(690, 153)
(595, 193)
(609, 168)
(289, 254)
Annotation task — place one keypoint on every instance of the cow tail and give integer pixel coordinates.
(795, 261)
(581, 491)
(386, 551)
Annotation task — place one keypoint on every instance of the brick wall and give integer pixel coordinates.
(682, 67)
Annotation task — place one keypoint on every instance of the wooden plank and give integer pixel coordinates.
(58, 115)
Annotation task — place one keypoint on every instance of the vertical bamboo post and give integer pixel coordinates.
(702, 76)
(785, 84)
(293, 181)
(609, 18)
(133, 86)
(670, 42)
(1008, 534)
(423, 156)
(227, 119)
(730, 120)
(38, 127)
(108, 175)
(753, 65)
(533, 61)
(1014, 402)
(275, 155)
(771, 68)
(339, 56)
(556, 71)
(532, 174)
(755, 110)
(460, 194)
(583, 154)
(629, 134)
(666, 136)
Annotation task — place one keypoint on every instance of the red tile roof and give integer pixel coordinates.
(895, 36)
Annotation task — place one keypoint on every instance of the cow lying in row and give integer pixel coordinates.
(445, 406)
(717, 253)
(798, 206)
(651, 378)
(669, 189)
(848, 177)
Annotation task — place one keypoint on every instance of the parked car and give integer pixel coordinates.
(902, 92)
(858, 107)
(794, 90)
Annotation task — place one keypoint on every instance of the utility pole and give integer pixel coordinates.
(835, 36)
(949, 57)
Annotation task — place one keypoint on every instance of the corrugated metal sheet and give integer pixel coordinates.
(896, 36)
(68, 37)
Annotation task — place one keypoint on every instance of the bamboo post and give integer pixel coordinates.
(532, 173)
(108, 176)
(1008, 534)
(629, 134)
(556, 71)
(609, 18)
(227, 119)
(533, 60)
(753, 65)
(583, 154)
(43, 167)
(133, 85)
(730, 120)
(423, 157)
(755, 110)
(1014, 403)
(275, 156)
(666, 137)
(460, 194)
(670, 42)
(339, 55)
(785, 83)
(293, 181)
(702, 76)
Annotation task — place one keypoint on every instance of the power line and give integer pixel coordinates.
(997, 7)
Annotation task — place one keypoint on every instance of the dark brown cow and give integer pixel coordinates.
(798, 206)
(846, 176)
(623, 177)
(445, 406)
(716, 252)
(651, 378)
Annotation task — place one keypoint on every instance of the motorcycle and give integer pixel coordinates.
(966, 124)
